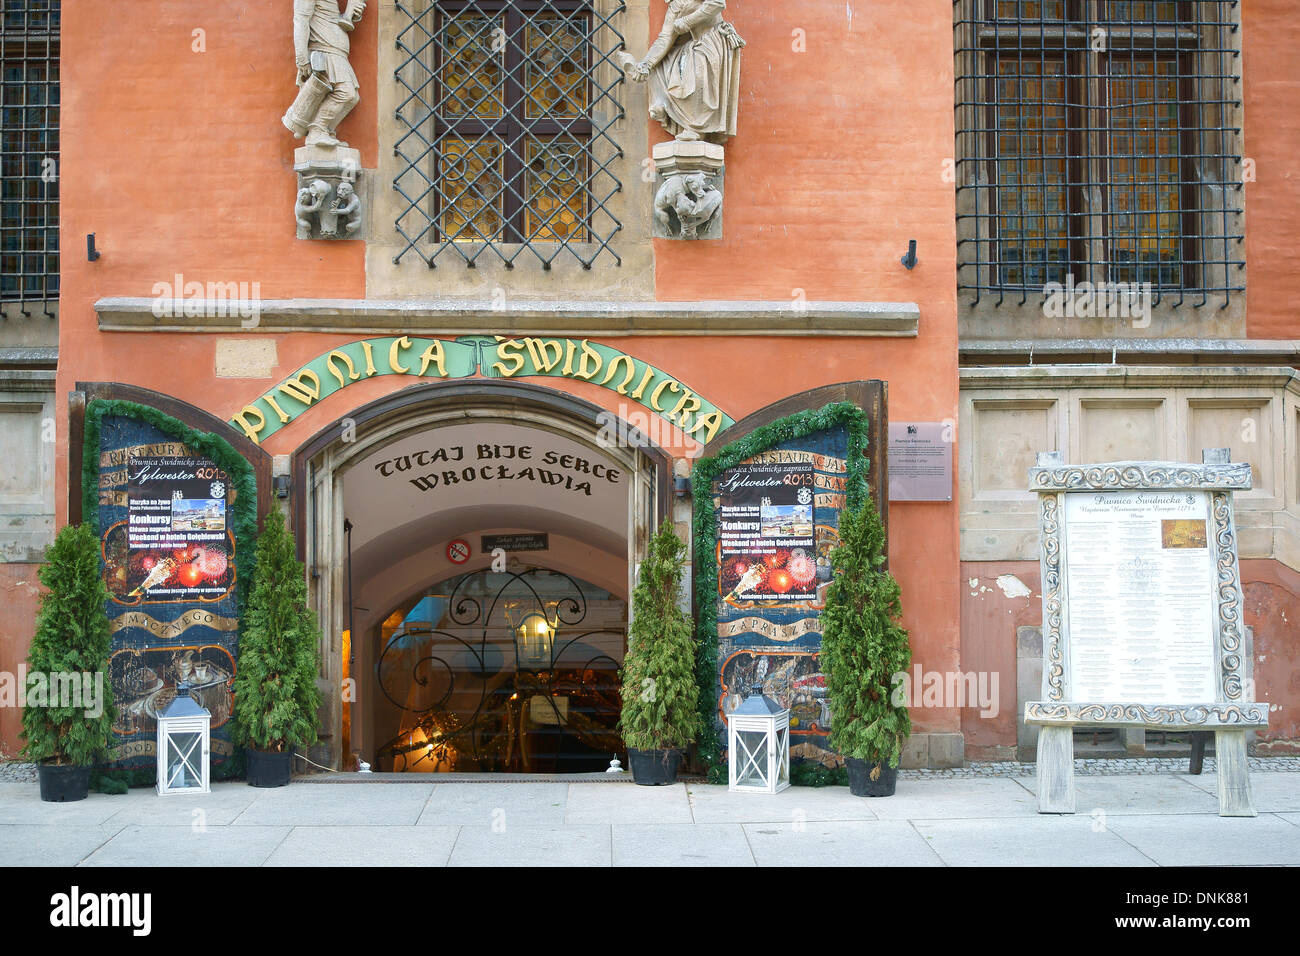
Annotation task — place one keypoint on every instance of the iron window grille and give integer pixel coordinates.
(29, 156)
(1099, 141)
(509, 110)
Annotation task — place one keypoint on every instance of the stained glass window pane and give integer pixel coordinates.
(555, 171)
(1032, 175)
(472, 75)
(472, 182)
(555, 66)
(1145, 202)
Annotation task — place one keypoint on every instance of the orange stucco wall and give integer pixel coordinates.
(179, 164)
(989, 618)
(1271, 82)
(20, 596)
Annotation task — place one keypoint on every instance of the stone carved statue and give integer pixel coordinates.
(692, 199)
(328, 87)
(693, 69)
(311, 199)
(321, 217)
(342, 215)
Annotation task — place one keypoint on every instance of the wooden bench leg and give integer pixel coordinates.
(1056, 770)
(1234, 776)
(1199, 739)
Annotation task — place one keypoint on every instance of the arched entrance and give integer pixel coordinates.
(511, 499)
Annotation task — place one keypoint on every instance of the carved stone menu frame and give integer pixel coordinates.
(1230, 714)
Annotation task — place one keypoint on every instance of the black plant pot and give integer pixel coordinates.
(861, 784)
(63, 784)
(654, 768)
(268, 769)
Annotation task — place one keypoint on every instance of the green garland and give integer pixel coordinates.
(243, 518)
(703, 475)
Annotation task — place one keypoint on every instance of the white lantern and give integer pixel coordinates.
(758, 745)
(184, 746)
(534, 642)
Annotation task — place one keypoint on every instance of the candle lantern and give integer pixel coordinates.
(184, 746)
(534, 642)
(758, 745)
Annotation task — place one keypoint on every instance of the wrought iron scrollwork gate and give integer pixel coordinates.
(511, 674)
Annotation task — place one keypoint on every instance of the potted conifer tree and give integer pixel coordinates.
(863, 647)
(660, 695)
(65, 731)
(276, 699)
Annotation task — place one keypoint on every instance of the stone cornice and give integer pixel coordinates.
(588, 318)
(1128, 376)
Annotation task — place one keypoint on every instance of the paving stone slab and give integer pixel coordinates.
(598, 803)
(365, 846)
(221, 807)
(392, 804)
(55, 844)
(944, 799)
(1211, 840)
(676, 844)
(1141, 794)
(483, 805)
(533, 846)
(846, 843)
(1078, 840)
(717, 804)
(1271, 792)
(185, 846)
(22, 803)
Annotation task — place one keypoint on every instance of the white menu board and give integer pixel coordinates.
(1140, 597)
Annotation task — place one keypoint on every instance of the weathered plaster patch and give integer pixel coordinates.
(1012, 586)
(246, 358)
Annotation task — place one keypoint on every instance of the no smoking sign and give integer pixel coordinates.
(458, 551)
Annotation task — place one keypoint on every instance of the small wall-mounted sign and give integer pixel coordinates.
(515, 542)
(458, 551)
(920, 461)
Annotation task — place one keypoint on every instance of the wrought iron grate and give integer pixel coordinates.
(1099, 141)
(29, 156)
(509, 110)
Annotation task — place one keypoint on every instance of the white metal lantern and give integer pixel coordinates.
(758, 745)
(184, 746)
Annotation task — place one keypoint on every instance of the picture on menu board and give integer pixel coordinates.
(175, 544)
(766, 536)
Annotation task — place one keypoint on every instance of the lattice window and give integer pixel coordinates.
(1099, 140)
(29, 156)
(509, 108)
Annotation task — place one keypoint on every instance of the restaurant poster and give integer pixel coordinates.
(778, 518)
(168, 556)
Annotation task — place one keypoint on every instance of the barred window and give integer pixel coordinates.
(1099, 140)
(509, 110)
(29, 156)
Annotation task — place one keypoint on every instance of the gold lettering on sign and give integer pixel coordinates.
(303, 387)
(433, 355)
(336, 355)
(241, 419)
(270, 400)
(545, 353)
(370, 358)
(171, 629)
(612, 368)
(781, 633)
(398, 345)
(645, 380)
(509, 350)
(589, 363)
(667, 383)
(119, 456)
(710, 422)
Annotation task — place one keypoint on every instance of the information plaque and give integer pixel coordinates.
(1142, 613)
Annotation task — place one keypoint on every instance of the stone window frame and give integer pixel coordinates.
(987, 310)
